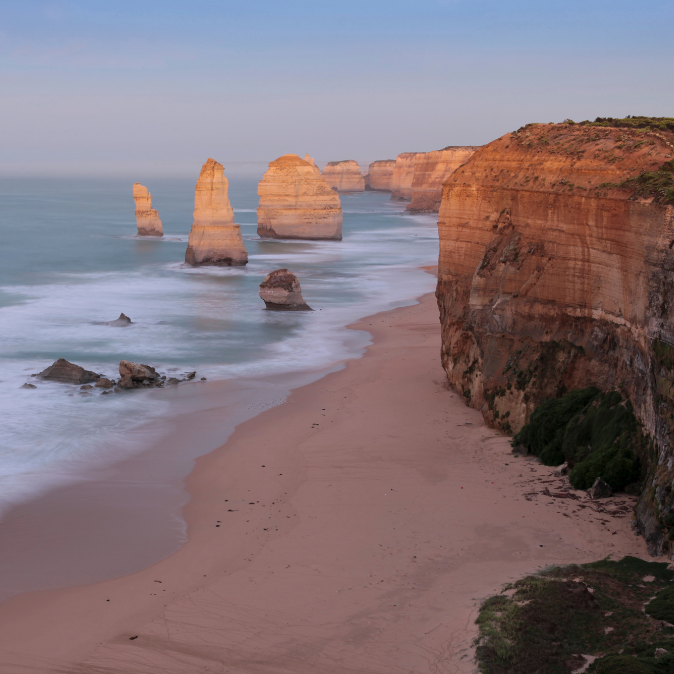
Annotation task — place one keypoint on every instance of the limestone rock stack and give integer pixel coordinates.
(431, 169)
(380, 175)
(147, 219)
(403, 176)
(556, 272)
(281, 292)
(214, 238)
(344, 176)
(297, 203)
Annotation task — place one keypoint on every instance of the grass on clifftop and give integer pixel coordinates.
(544, 623)
(634, 122)
(596, 433)
(658, 184)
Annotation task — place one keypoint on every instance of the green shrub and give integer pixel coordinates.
(621, 664)
(596, 433)
(662, 607)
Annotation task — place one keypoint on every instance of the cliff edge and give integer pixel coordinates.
(556, 272)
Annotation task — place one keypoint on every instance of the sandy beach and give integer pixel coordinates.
(354, 528)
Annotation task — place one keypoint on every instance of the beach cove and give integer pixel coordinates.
(356, 527)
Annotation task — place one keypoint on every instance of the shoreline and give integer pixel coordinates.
(360, 524)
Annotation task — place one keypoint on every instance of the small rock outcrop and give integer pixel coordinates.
(600, 489)
(215, 239)
(380, 175)
(297, 203)
(68, 373)
(281, 292)
(134, 375)
(120, 322)
(104, 382)
(344, 176)
(147, 219)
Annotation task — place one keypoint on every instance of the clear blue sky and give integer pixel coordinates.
(160, 85)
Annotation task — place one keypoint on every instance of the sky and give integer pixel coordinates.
(158, 86)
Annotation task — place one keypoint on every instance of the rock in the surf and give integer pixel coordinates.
(214, 239)
(281, 292)
(135, 375)
(104, 382)
(147, 219)
(28, 386)
(120, 322)
(68, 373)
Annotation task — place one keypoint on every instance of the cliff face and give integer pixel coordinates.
(147, 219)
(403, 176)
(431, 169)
(214, 238)
(297, 203)
(344, 176)
(553, 276)
(380, 175)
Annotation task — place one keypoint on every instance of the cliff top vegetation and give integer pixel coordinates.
(542, 623)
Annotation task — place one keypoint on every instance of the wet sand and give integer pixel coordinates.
(355, 528)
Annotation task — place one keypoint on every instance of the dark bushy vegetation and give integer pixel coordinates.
(634, 122)
(596, 433)
(553, 617)
(658, 184)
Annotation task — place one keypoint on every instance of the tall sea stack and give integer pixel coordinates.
(556, 273)
(214, 239)
(344, 176)
(147, 219)
(403, 176)
(297, 203)
(380, 175)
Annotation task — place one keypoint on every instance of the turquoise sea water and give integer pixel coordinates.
(70, 259)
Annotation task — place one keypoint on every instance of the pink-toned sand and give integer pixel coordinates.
(361, 523)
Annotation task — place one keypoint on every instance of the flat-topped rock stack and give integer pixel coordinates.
(297, 203)
(403, 176)
(147, 219)
(214, 239)
(344, 176)
(431, 169)
(380, 175)
(281, 292)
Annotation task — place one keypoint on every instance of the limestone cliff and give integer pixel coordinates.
(147, 219)
(556, 272)
(344, 176)
(431, 169)
(281, 292)
(297, 203)
(380, 175)
(214, 238)
(403, 176)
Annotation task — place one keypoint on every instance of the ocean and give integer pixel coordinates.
(71, 260)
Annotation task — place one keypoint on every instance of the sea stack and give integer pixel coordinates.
(403, 176)
(214, 239)
(344, 176)
(380, 175)
(431, 169)
(281, 292)
(297, 203)
(147, 219)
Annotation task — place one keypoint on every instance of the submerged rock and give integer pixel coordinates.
(147, 219)
(68, 373)
(28, 386)
(215, 239)
(104, 382)
(281, 292)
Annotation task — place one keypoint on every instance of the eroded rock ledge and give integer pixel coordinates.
(556, 272)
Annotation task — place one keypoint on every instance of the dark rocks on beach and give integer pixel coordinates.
(135, 375)
(28, 386)
(281, 292)
(600, 489)
(68, 373)
(86, 387)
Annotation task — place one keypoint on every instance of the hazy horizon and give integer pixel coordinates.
(155, 88)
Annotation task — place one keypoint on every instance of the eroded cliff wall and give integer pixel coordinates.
(431, 169)
(556, 271)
